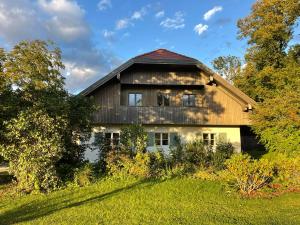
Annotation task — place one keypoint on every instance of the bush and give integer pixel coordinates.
(249, 175)
(118, 165)
(195, 153)
(224, 151)
(33, 148)
(205, 174)
(177, 151)
(287, 168)
(84, 176)
(133, 139)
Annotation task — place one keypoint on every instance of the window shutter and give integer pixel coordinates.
(151, 139)
(173, 140)
(222, 137)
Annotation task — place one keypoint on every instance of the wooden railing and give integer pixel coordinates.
(151, 115)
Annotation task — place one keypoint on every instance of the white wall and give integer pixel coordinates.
(186, 133)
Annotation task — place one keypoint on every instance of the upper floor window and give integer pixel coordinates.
(189, 100)
(163, 99)
(135, 99)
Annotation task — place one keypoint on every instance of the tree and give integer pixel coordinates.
(227, 66)
(272, 75)
(33, 147)
(268, 28)
(32, 82)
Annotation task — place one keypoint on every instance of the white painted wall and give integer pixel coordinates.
(186, 133)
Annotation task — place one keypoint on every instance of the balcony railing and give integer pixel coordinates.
(151, 115)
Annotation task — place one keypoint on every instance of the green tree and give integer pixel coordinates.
(32, 82)
(33, 146)
(227, 66)
(271, 75)
(269, 28)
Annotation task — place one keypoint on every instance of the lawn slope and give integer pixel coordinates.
(176, 201)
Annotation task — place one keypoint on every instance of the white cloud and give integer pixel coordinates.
(122, 24)
(160, 14)
(211, 12)
(139, 14)
(66, 19)
(177, 22)
(104, 4)
(16, 21)
(200, 28)
(62, 21)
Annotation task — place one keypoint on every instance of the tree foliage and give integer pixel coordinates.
(269, 28)
(272, 75)
(33, 146)
(227, 66)
(31, 82)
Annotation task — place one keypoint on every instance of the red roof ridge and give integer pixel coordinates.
(162, 53)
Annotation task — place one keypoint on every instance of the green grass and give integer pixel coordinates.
(176, 201)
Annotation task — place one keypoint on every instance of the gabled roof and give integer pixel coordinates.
(166, 55)
(163, 56)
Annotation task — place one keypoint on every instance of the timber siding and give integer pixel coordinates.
(162, 77)
(217, 102)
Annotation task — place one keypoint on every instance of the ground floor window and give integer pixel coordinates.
(209, 139)
(161, 139)
(112, 138)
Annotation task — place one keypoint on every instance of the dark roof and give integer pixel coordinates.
(163, 56)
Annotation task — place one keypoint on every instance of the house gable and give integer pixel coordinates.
(162, 71)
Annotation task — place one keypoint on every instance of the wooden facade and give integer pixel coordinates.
(216, 101)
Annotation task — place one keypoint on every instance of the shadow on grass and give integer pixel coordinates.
(38, 209)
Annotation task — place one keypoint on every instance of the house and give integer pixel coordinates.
(171, 94)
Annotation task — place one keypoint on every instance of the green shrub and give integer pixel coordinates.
(249, 175)
(84, 175)
(177, 151)
(205, 174)
(118, 165)
(195, 153)
(133, 139)
(33, 148)
(287, 168)
(224, 151)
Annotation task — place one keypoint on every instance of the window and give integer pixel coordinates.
(157, 139)
(209, 139)
(165, 139)
(161, 139)
(189, 100)
(163, 99)
(116, 138)
(112, 138)
(135, 99)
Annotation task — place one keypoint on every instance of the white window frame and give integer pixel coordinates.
(112, 137)
(161, 138)
(210, 139)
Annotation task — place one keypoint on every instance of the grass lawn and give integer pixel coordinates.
(175, 201)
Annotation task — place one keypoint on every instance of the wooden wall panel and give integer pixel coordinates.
(162, 77)
(214, 106)
(150, 95)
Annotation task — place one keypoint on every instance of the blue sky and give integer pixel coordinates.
(98, 35)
